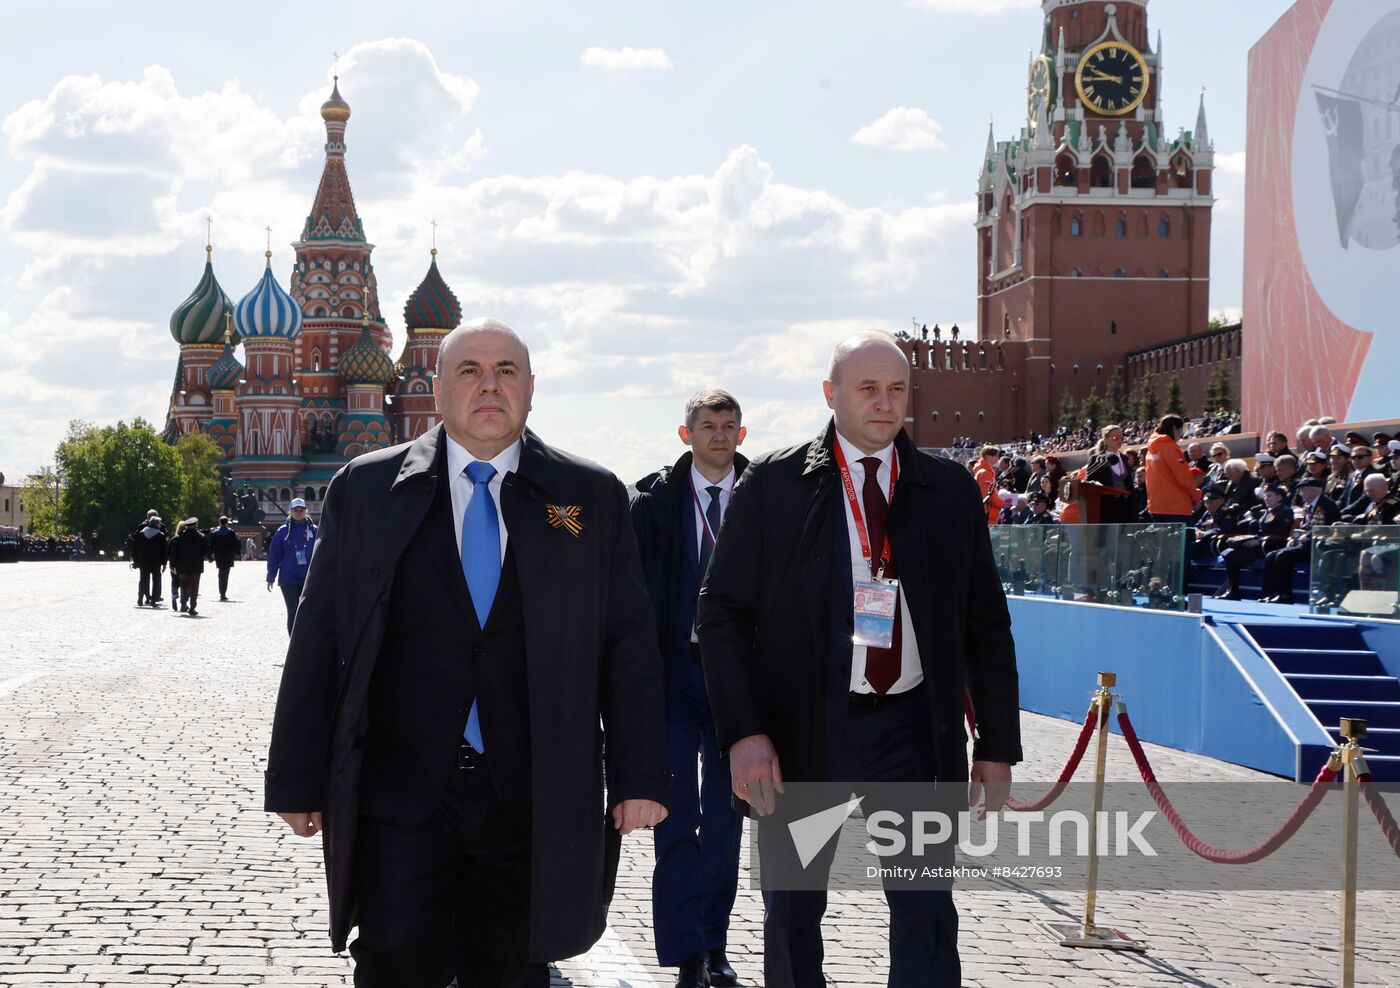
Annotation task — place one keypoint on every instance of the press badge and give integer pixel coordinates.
(875, 605)
(301, 557)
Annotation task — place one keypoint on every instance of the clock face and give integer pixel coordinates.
(1038, 90)
(1112, 79)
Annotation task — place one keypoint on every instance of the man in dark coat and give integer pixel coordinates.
(1318, 510)
(148, 548)
(188, 550)
(227, 548)
(677, 513)
(795, 699)
(448, 673)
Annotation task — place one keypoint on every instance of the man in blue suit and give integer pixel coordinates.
(677, 513)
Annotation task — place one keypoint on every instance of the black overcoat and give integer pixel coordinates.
(765, 608)
(592, 671)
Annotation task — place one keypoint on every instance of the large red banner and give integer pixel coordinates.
(1322, 229)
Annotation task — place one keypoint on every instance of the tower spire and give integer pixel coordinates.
(1201, 139)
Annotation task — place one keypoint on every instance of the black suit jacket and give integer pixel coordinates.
(591, 669)
(769, 616)
(663, 512)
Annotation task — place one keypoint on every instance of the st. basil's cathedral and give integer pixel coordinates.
(316, 386)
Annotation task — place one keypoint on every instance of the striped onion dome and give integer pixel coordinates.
(365, 363)
(224, 372)
(432, 304)
(200, 318)
(267, 311)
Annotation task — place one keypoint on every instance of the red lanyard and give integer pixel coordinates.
(855, 505)
(704, 518)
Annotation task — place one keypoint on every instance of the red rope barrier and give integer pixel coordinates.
(1272, 843)
(1382, 812)
(1067, 773)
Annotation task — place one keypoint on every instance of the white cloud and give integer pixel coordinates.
(1227, 232)
(983, 7)
(633, 292)
(904, 128)
(626, 59)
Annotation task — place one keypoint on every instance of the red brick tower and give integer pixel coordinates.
(432, 311)
(1094, 226)
(329, 282)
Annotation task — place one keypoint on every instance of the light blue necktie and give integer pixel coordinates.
(481, 562)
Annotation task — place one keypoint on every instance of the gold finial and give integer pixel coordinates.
(434, 250)
(228, 327)
(208, 235)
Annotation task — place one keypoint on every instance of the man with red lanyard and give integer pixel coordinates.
(851, 601)
(677, 514)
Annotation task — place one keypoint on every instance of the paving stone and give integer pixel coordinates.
(133, 849)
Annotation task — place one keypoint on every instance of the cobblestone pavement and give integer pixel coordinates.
(133, 849)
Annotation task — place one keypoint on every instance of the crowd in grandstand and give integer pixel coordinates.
(1239, 512)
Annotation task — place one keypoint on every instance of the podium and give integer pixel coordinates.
(1091, 497)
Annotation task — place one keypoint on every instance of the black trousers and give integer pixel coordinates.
(889, 743)
(1279, 567)
(447, 897)
(223, 580)
(149, 587)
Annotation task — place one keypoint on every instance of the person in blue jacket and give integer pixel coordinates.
(289, 554)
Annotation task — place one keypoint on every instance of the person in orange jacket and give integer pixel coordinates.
(1172, 490)
(985, 474)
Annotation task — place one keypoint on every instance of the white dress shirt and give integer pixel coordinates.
(701, 501)
(506, 461)
(911, 670)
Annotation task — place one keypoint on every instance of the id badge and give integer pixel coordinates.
(301, 557)
(875, 605)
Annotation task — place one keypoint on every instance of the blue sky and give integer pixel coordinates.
(652, 221)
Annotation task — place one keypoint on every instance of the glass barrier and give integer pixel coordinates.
(1356, 571)
(1123, 565)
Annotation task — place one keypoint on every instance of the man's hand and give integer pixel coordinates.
(303, 824)
(631, 814)
(992, 780)
(754, 772)
(269, 586)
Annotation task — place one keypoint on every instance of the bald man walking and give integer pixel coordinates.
(473, 612)
(813, 533)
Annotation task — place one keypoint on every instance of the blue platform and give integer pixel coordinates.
(1260, 685)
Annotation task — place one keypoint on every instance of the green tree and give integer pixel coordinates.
(200, 457)
(1091, 413)
(1175, 406)
(1212, 398)
(1068, 411)
(1144, 401)
(1220, 382)
(40, 495)
(1115, 407)
(113, 474)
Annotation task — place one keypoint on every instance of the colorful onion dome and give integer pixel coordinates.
(335, 108)
(200, 318)
(224, 373)
(365, 363)
(267, 311)
(432, 304)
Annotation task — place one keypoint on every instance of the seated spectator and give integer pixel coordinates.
(1219, 456)
(1304, 437)
(1037, 472)
(1212, 525)
(1356, 499)
(1318, 510)
(1393, 461)
(1381, 507)
(1196, 455)
(1240, 486)
(1258, 536)
(1039, 513)
(1314, 465)
(1339, 475)
(1321, 439)
(1286, 474)
(1276, 445)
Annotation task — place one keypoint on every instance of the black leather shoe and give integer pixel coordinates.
(692, 975)
(721, 974)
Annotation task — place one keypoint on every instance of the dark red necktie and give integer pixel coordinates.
(882, 665)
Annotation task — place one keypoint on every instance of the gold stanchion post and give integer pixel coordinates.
(1088, 933)
(1353, 765)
